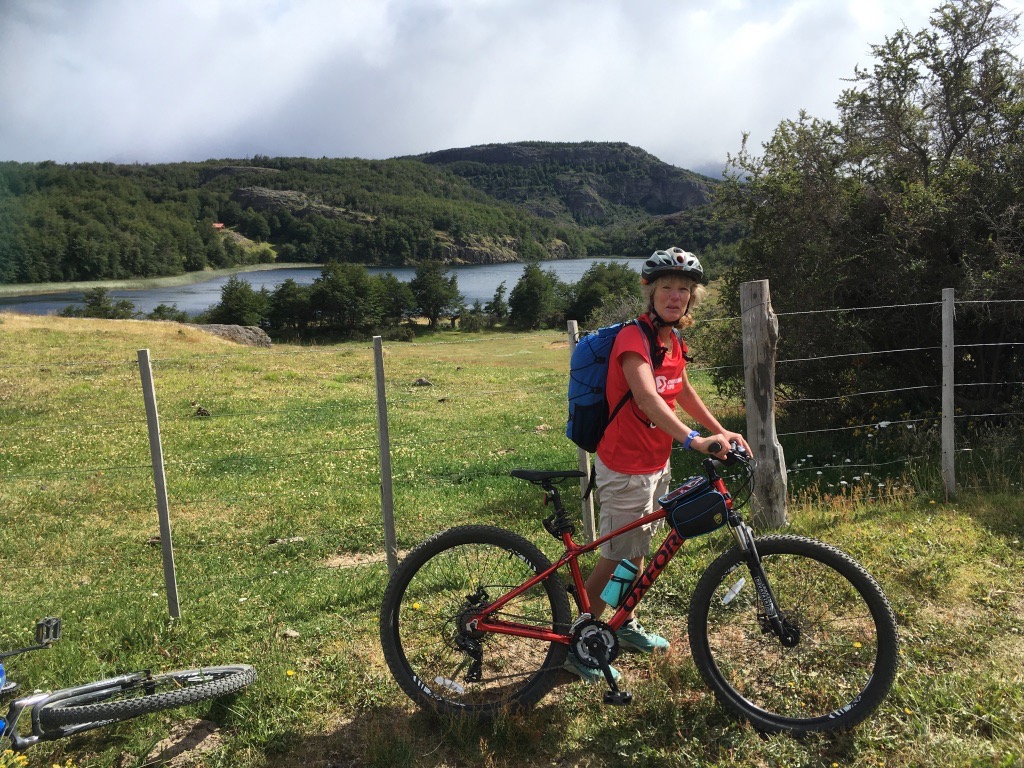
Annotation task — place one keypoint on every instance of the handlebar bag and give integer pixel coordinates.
(695, 508)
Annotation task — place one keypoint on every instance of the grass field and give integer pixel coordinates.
(139, 283)
(273, 477)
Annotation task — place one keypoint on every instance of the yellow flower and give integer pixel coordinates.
(290, 673)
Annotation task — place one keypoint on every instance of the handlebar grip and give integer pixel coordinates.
(715, 447)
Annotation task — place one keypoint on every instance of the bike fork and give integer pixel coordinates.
(771, 617)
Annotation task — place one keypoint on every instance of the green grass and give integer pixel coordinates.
(140, 283)
(274, 500)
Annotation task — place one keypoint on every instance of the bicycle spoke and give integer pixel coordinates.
(838, 666)
(452, 665)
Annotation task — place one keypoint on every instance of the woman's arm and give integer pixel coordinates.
(691, 402)
(645, 392)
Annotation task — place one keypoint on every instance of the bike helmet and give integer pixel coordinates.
(672, 261)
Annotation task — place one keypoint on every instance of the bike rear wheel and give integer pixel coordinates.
(430, 601)
(139, 693)
(842, 662)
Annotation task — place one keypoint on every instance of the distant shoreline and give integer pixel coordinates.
(143, 283)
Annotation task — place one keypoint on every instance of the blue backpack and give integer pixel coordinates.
(588, 376)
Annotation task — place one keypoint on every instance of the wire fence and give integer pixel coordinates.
(273, 454)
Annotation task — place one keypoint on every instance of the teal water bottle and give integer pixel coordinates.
(618, 585)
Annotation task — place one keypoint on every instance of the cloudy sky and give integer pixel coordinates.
(182, 80)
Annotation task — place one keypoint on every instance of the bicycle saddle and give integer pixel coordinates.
(537, 476)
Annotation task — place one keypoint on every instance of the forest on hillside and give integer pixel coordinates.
(93, 221)
(916, 186)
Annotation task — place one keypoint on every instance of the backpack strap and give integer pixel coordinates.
(651, 336)
(593, 482)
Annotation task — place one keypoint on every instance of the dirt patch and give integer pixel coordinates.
(349, 560)
(186, 745)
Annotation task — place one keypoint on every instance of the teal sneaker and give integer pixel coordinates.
(633, 635)
(590, 675)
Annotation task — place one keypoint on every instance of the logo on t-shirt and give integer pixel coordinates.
(666, 384)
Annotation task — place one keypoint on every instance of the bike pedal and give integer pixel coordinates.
(618, 698)
(48, 630)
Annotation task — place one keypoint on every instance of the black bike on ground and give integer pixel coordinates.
(57, 714)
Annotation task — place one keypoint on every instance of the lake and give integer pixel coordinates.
(475, 282)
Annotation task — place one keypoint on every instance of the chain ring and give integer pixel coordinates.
(589, 630)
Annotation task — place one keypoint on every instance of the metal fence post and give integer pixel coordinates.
(156, 453)
(948, 402)
(387, 501)
(583, 458)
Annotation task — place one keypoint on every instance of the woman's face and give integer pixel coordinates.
(671, 297)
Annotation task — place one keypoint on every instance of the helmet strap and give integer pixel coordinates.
(656, 320)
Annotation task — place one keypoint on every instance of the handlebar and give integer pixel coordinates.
(735, 455)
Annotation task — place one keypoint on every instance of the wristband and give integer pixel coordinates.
(689, 439)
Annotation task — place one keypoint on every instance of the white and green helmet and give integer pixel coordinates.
(672, 261)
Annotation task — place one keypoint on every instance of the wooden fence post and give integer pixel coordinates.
(760, 345)
(583, 458)
(948, 403)
(387, 501)
(156, 453)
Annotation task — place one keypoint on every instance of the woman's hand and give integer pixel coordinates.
(724, 439)
(736, 437)
(704, 445)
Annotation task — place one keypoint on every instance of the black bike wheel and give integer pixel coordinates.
(427, 606)
(845, 657)
(140, 693)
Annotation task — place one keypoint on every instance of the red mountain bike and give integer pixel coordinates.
(790, 633)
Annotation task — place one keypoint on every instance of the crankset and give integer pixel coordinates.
(595, 645)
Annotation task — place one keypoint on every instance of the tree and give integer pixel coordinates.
(346, 298)
(169, 313)
(533, 300)
(397, 300)
(240, 304)
(602, 283)
(915, 188)
(497, 308)
(290, 306)
(473, 319)
(96, 302)
(436, 294)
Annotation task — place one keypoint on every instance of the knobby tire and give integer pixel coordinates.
(842, 665)
(429, 601)
(132, 695)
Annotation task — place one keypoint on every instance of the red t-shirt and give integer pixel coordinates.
(630, 446)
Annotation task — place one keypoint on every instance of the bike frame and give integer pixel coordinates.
(36, 701)
(484, 621)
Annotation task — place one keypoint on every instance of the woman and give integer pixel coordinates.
(632, 462)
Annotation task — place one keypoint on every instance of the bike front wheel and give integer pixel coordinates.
(426, 623)
(139, 693)
(840, 655)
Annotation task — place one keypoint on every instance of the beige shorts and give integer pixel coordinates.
(623, 499)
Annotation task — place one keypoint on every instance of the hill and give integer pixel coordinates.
(588, 182)
(493, 203)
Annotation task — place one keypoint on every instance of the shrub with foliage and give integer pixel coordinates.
(915, 188)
